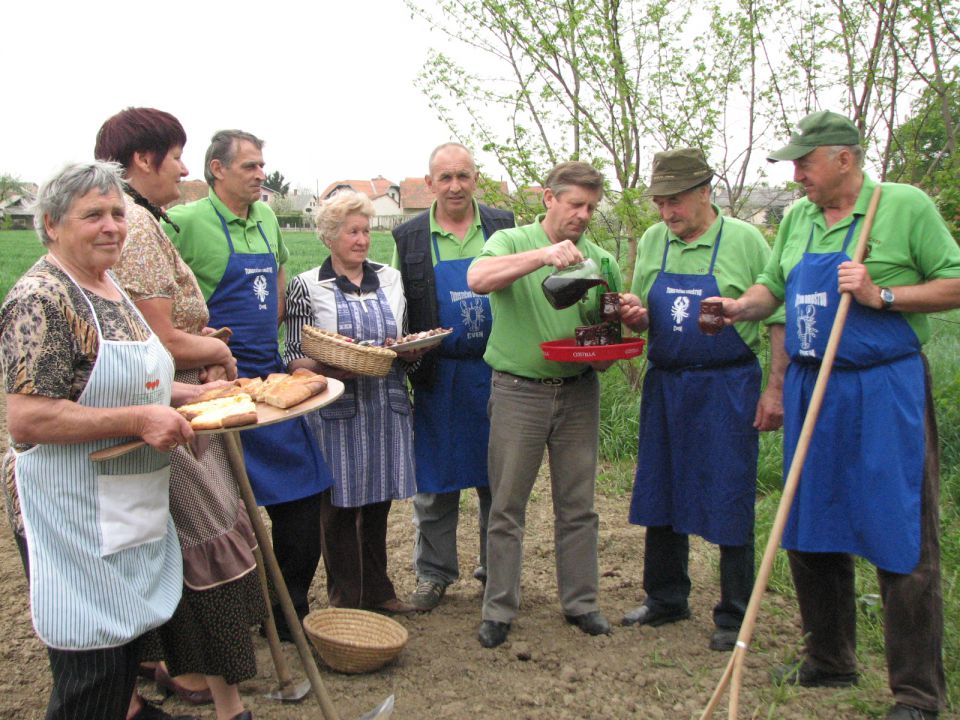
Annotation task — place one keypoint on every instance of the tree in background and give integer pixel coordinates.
(10, 186)
(535, 82)
(276, 182)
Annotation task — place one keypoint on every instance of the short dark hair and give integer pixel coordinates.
(223, 147)
(136, 130)
(576, 173)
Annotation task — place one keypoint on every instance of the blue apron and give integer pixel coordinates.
(283, 460)
(366, 434)
(697, 458)
(450, 424)
(860, 488)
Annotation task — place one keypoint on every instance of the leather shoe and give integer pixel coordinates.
(245, 715)
(592, 623)
(908, 712)
(805, 675)
(492, 633)
(152, 711)
(480, 574)
(168, 686)
(724, 639)
(646, 615)
(394, 606)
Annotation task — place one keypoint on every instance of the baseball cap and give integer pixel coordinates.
(816, 130)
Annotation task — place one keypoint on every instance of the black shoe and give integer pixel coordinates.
(646, 615)
(480, 574)
(908, 712)
(805, 675)
(724, 639)
(493, 633)
(152, 711)
(592, 623)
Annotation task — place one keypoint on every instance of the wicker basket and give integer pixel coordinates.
(354, 641)
(330, 349)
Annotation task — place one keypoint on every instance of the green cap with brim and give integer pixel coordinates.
(816, 130)
(677, 170)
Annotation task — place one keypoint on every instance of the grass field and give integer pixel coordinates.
(619, 411)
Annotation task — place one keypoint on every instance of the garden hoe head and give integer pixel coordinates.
(290, 692)
(381, 712)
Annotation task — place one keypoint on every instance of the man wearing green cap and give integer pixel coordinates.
(870, 483)
(702, 407)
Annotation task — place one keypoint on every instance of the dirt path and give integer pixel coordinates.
(548, 670)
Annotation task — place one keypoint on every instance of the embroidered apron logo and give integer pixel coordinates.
(260, 289)
(473, 315)
(807, 329)
(680, 309)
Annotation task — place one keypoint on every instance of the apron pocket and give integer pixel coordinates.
(132, 509)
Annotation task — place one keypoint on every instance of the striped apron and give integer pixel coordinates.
(105, 564)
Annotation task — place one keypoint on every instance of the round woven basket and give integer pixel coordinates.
(328, 348)
(354, 641)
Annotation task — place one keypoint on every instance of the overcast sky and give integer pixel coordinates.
(327, 84)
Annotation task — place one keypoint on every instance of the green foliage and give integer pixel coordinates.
(276, 182)
(10, 185)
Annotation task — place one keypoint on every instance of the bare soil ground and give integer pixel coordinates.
(547, 669)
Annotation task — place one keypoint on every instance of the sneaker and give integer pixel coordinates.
(480, 574)
(427, 595)
(805, 675)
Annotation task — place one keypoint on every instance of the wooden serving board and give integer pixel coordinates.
(266, 415)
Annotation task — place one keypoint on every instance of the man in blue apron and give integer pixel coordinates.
(451, 384)
(233, 244)
(702, 408)
(870, 483)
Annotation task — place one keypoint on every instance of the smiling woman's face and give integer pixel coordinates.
(352, 243)
(91, 234)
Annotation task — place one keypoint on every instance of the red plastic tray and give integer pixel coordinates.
(567, 350)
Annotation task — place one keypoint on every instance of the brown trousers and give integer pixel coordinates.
(912, 604)
(354, 545)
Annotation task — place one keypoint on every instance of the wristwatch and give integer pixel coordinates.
(887, 297)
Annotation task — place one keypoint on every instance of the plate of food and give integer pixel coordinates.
(568, 350)
(249, 403)
(415, 341)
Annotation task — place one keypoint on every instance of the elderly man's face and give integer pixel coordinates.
(453, 178)
(688, 214)
(569, 213)
(240, 182)
(821, 174)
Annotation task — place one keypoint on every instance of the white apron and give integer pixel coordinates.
(105, 564)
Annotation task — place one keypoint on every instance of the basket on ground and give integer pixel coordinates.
(354, 641)
(330, 348)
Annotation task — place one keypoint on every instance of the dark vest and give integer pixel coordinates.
(419, 284)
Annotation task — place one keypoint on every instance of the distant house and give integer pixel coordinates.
(268, 194)
(16, 212)
(191, 190)
(383, 193)
(298, 200)
(763, 205)
(415, 196)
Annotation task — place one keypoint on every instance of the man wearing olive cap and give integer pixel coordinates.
(702, 407)
(870, 483)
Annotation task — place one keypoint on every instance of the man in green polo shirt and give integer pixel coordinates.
(536, 403)
(232, 242)
(702, 408)
(870, 481)
(451, 384)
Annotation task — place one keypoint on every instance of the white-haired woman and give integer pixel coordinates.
(82, 371)
(366, 436)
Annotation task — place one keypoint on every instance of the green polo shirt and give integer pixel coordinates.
(909, 244)
(742, 256)
(451, 247)
(522, 317)
(203, 246)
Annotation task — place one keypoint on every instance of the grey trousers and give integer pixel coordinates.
(526, 417)
(912, 604)
(435, 516)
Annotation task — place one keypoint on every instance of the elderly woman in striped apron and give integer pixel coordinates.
(366, 436)
(82, 371)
